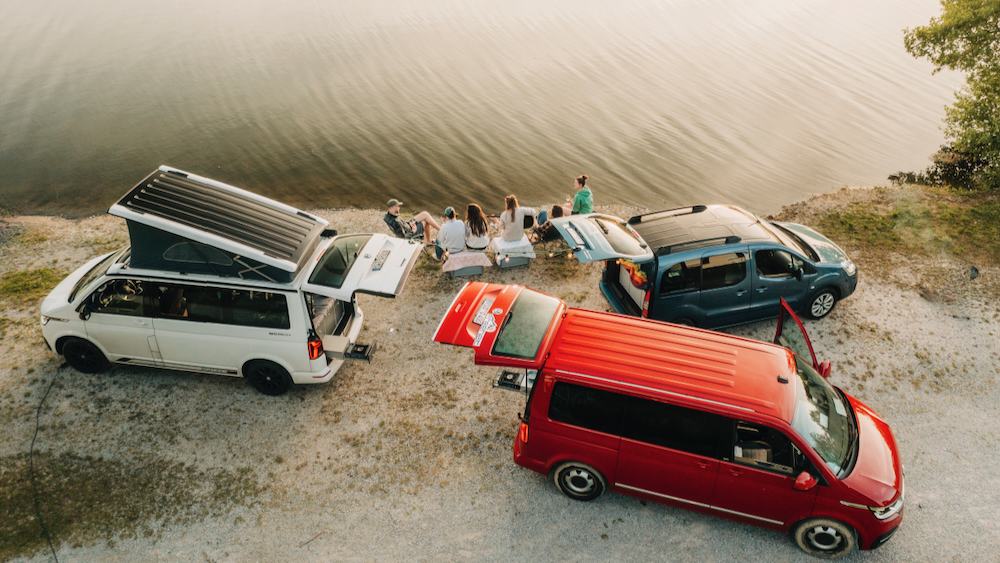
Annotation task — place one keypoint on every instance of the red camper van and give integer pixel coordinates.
(700, 420)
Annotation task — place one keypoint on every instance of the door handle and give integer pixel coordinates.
(703, 464)
(741, 292)
(735, 472)
(761, 289)
(141, 323)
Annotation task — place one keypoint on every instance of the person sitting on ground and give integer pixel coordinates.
(511, 222)
(546, 231)
(416, 227)
(477, 235)
(451, 236)
(583, 201)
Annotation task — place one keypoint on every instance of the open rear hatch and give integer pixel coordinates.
(506, 325)
(595, 237)
(370, 263)
(349, 264)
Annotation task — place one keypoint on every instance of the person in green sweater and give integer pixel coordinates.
(583, 202)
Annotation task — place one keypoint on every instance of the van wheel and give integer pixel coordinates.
(824, 538)
(821, 304)
(579, 481)
(83, 356)
(267, 377)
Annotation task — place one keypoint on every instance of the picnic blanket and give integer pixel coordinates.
(461, 260)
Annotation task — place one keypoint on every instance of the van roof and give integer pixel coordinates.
(222, 216)
(687, 225)
(682, 362)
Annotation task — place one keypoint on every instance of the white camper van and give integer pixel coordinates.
(221, 280)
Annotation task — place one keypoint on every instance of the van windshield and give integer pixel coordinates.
(821, 418)
(337, 260)
(94, 273)
(525, 326)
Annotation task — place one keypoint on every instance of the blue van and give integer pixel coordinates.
(710, 266)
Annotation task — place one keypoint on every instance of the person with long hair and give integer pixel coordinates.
(511, 221)
(477, 235)
(583, 201)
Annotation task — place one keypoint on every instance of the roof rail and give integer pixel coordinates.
(704, 243)
(666, 213)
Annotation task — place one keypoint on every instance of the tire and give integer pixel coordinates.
(684, 322)
(824, 538)
(83, 356)
(579, 481)
(821, 304)
(267, 377)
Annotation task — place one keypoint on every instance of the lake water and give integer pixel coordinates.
(324, 103)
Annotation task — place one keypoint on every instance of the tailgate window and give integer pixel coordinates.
(620, 238)
(526, 325)
(337, 260)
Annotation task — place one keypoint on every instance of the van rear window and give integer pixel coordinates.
(525, 326)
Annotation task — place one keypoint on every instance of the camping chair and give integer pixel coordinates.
(398, 233)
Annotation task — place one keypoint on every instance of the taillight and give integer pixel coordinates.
(522, 434)
(315, 347)
(645, 305)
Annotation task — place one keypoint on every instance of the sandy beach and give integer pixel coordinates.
(409, 457)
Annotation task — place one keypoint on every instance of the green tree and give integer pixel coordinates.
(966, 37)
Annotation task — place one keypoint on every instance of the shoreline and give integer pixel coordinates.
(409, 457)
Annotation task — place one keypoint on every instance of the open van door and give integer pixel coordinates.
(506, 325)
(363, 263)
(594, 237)
(792, 335)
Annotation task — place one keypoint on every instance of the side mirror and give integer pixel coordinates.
(824, 369)
(804, 482)
(798, 274)
(85, 312)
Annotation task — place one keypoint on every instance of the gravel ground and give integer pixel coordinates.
(408, 458)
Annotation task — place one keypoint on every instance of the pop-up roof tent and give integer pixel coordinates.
(180, 222)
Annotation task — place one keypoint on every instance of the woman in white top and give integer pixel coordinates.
(477, 235)
(512, 220)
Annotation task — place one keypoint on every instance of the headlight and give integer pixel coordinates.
(887, 512)
(46, 320)
(849, 267)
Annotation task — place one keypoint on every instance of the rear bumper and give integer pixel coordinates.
(322, 376)
(524, 461)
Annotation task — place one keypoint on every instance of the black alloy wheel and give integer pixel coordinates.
(83, 356)
(267, 377)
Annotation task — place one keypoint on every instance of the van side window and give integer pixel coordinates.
(723, 270)
(760, 446)
(679, 428)
(587, 407)
(772, 263)
(683, 276)
(119, 297)
(222, 305)
(259, 308)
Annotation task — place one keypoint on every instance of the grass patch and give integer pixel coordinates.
(84, 500)
(968, 228)
(30, 285)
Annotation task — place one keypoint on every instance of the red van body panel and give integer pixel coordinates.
(736, 378)
(878, 474)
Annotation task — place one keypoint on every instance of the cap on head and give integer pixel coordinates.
(449, 212)
(393, 203)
